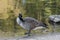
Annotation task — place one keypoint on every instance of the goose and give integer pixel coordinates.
(29, 23)
(54, 20)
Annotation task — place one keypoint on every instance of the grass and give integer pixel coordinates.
(20, 32)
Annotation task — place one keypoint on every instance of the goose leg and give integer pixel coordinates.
(54, 27)
(28, 33)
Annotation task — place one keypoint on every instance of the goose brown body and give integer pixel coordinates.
(29, 23)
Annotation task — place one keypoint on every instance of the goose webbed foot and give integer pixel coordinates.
(26, 33)
(29, 35)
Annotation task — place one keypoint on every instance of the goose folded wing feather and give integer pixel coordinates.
(32, 21)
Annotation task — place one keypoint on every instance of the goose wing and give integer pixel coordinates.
(32, 21)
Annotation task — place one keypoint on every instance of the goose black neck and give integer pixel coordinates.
(21, 19)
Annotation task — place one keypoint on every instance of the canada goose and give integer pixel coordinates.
(29, 23)
(54, 20)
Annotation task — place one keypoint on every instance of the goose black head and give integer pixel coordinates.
(20, 17)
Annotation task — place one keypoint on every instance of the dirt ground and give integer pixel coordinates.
(54, 36)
